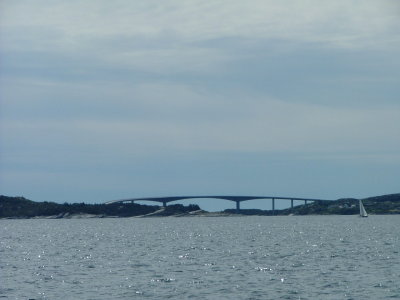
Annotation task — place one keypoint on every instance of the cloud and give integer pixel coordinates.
(196, 20)
(86, 84)
(154, 118)
(171, 36)
(260, 47)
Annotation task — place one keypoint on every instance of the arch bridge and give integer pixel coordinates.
(236, 199)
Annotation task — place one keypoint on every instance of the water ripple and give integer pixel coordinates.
(321, 257)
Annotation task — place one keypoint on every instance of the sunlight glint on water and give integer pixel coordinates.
(318, 257)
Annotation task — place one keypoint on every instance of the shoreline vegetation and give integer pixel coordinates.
(22, 208)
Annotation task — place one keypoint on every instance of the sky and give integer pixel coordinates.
(103, 100)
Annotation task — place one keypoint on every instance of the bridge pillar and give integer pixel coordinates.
(237, 206)
(273, 206)
(164, 204)
(291, 202)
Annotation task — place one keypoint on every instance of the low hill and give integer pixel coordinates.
(20, 207)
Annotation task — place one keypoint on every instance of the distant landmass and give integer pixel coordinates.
(19, 207)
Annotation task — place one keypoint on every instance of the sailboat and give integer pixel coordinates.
(363, 212)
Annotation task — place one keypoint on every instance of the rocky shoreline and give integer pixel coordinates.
(157, 214)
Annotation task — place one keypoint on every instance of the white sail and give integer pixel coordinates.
(363, 212)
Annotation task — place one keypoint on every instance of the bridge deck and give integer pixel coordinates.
(230, 198)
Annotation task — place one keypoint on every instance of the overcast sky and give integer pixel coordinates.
(103, 100)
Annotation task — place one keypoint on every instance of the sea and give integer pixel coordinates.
(235, 257)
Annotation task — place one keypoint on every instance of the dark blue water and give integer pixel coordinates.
(314, 257)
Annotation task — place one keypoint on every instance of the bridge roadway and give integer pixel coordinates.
(237, 199)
